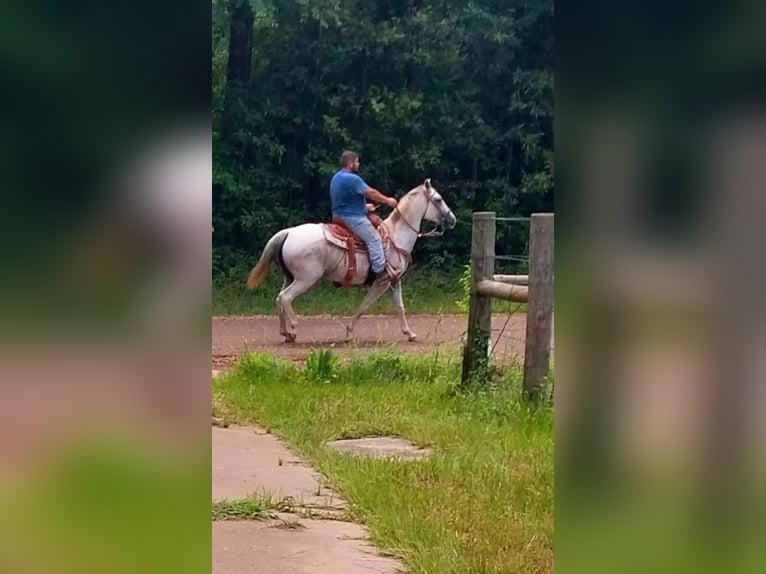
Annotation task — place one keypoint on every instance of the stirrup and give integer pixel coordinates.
(393, 274)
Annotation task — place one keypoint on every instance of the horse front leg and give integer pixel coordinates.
(396, 294)
(376, 292)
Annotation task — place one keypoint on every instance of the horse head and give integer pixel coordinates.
(437, 210)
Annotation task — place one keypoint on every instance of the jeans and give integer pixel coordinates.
(364, 230)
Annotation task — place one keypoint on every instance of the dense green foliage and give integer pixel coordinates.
(459, 91)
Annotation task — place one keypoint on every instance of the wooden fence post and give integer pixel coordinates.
(540, 305)
(480, 308)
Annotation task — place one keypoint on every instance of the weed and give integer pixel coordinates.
(284, 524)
(465, 289)
(321, 366)
(246, 509)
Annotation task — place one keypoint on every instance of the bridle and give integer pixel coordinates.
(433, 233)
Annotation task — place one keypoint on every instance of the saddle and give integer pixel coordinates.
(338, 234)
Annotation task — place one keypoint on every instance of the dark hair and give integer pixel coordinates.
(347, 157)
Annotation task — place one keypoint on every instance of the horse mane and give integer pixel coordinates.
(403, 203)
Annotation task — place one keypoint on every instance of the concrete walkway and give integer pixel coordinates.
(246, 461)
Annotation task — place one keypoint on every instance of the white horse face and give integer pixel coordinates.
(437, 209)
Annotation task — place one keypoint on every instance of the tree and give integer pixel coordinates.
(459, 92)
(239, 61)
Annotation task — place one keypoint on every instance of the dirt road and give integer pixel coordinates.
(234, 335)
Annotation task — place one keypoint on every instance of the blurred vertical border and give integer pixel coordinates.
(660, 282)
(105, 177)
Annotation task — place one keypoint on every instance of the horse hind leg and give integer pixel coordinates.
(285, 304)
(281, 313)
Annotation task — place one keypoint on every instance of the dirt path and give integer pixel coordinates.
(234, 335)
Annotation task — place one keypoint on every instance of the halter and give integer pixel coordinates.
(433, 232)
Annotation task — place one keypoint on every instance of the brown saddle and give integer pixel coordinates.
(339, 230)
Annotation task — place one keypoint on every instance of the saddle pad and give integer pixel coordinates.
(338, 236)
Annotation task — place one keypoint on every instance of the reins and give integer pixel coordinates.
(432, 233)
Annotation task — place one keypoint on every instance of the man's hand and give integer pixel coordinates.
(375, 195)
(371, 207)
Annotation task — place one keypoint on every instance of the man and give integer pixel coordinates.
(348, 194)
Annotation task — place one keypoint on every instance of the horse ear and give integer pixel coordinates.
(428, 183)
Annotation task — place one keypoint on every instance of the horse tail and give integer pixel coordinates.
(270, 253)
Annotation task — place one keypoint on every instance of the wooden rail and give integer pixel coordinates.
(512, 279)
(509, 292)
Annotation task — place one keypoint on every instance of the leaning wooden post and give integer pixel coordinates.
(480, 306)
(537, 350)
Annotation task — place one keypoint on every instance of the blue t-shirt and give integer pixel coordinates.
(347, 195)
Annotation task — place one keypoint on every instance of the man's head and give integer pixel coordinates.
(349, 160)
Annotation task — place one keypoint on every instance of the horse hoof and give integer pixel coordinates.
(290, 338)
(412, 337)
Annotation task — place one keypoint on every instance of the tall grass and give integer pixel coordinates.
(483, 502)
(423, 293)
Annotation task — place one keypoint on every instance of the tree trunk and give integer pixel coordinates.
(238, 66)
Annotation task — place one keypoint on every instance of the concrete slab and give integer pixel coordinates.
(381, 447)
(247, 461)
(322, 547)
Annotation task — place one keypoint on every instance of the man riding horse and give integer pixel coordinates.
(348, 194)
(311, 252)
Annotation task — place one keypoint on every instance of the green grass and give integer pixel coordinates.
(265, 506)
(423, 293)
(482, 503)
(247, 509)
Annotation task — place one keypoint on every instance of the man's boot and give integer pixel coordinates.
(388, 274)
(393, 274)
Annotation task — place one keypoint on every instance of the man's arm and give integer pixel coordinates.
(375, 195)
